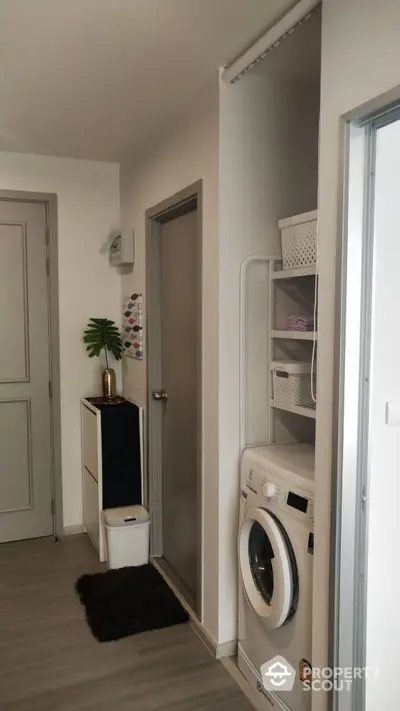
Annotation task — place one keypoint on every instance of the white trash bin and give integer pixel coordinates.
(127, 536)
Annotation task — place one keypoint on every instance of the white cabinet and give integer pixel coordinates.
(92, 476)
(111, 461)
(91, 424)
(91, 508)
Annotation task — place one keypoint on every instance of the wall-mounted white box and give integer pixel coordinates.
(122, 248)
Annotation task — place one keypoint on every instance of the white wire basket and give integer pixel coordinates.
(292, 383)
(299, 240)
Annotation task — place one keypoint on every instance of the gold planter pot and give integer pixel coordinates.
(109, 384)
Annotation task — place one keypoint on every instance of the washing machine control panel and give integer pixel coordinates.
(296, 501)
(262, 486)
(281, 494)
(269, 490)
(301, 505)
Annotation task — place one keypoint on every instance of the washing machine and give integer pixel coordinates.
(275, 547)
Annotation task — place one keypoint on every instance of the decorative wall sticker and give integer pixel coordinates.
(132, 329)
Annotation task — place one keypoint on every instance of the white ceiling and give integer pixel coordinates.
(97, 78)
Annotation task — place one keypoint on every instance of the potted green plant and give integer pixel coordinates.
(101, 334)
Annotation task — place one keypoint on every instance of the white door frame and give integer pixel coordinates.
(49, 200)
(179, 204)
(351, 405)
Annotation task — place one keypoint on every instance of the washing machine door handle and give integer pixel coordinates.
(275, 610)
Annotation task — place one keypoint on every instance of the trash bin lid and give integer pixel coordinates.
(125, 516)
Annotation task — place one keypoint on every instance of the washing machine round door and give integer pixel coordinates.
(268, 567)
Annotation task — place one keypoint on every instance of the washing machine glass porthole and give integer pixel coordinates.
(261, 555)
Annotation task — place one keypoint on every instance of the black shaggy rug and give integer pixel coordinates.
(126, 601)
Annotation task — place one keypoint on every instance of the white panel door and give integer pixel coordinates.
(25, 429)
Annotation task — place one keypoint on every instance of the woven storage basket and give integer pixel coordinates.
(292, 383)
(299, 240)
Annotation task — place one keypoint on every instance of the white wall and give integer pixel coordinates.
(268, 170)
(360, 60)
(88, 209)
(186, 153)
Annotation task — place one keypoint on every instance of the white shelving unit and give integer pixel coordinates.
(296, 409)
(294, 335)
(293, 273)
(270, 294)
(291, 293)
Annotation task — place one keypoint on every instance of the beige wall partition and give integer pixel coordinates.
(185, 153)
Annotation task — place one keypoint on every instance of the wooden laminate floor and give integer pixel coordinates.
(50, 662)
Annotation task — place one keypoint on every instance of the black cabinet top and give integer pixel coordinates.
(118, 402)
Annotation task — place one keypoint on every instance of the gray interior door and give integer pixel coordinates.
(25, 431)
(180, 328)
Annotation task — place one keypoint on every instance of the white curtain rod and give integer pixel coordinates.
(271, 38)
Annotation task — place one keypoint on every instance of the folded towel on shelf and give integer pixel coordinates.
(299, 323)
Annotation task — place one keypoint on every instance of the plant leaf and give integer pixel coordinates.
(103, 333)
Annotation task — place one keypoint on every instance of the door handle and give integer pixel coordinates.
(160, 395)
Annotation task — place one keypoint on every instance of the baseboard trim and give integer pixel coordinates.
(174, 589)
(225, 650)
(231, 666)
(204, 636)
(177, 584)
(73, 530)
(219, 651)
